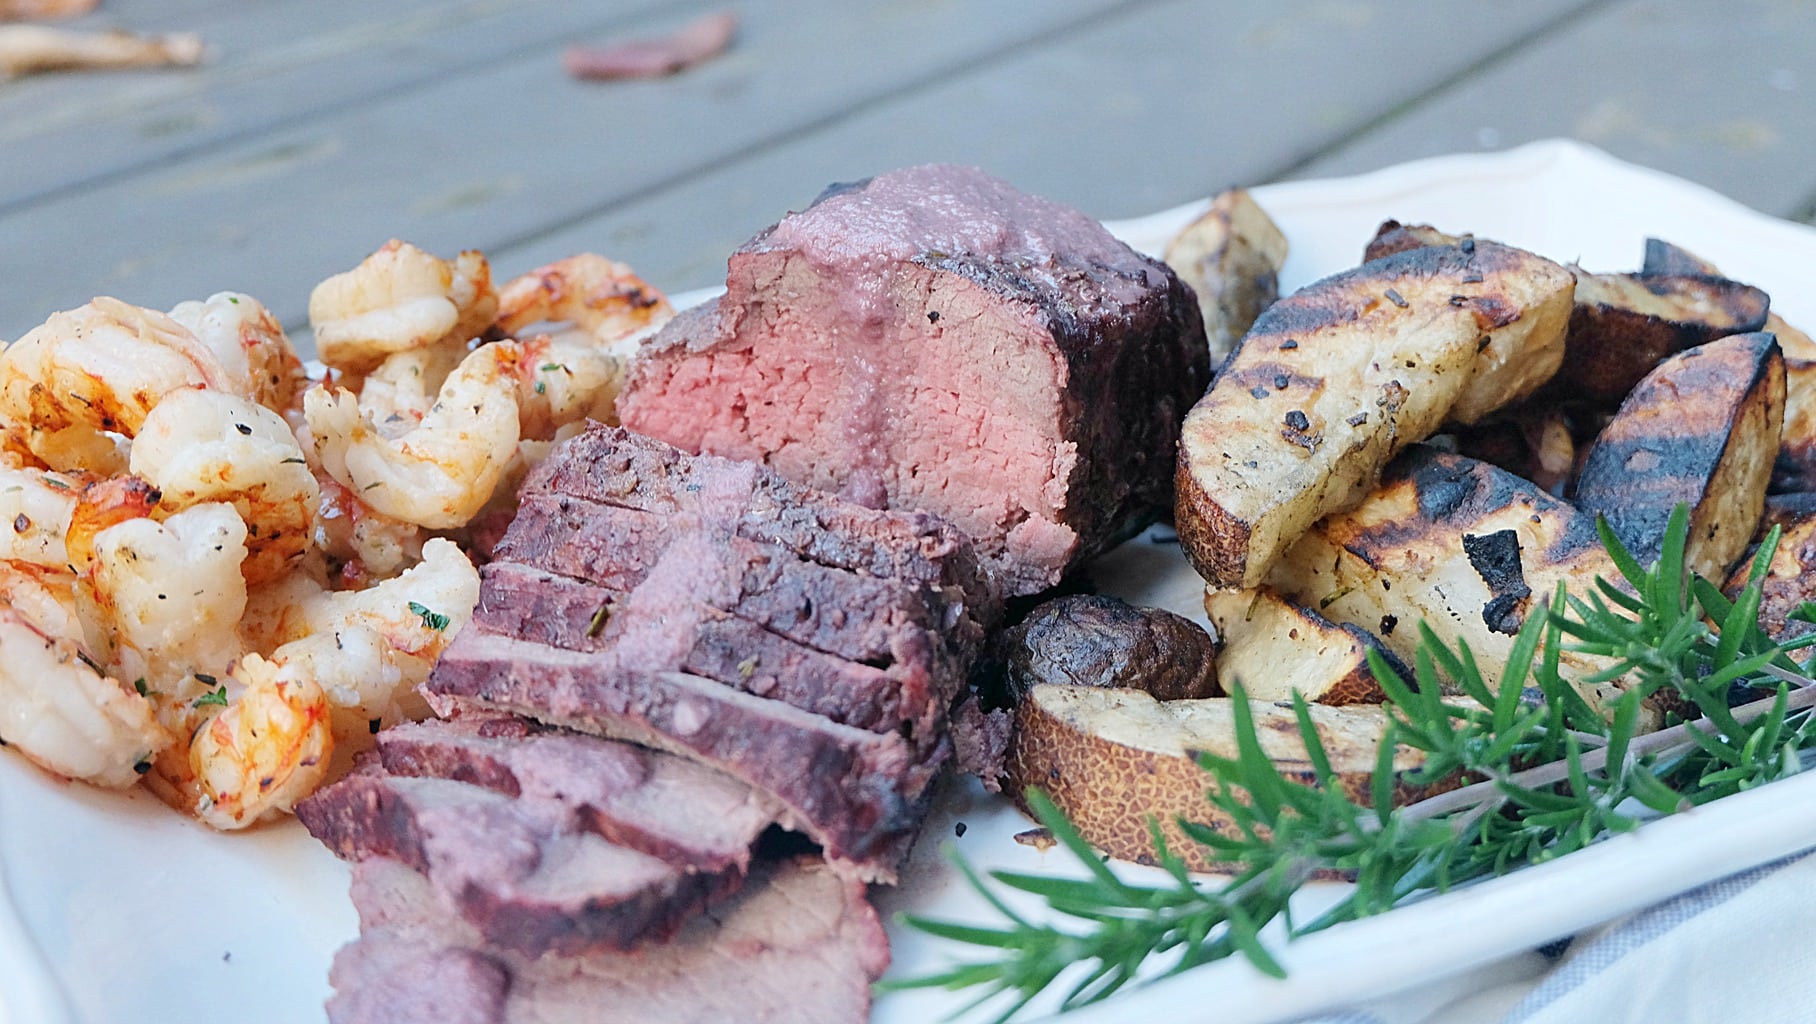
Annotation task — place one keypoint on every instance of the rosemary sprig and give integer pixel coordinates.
(1556, 774)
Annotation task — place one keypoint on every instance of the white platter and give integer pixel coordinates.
(113, 909)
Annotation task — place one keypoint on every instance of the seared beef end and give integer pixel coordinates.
(799, 945)
(860, 795)
(646, 800)
(934, 339)
(516, 870)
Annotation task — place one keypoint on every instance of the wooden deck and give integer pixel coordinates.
(321, 128)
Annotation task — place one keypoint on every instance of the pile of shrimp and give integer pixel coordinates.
(223, 572)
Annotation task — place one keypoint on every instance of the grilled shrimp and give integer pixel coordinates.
(367, 545)
(55, 707)
(101, 504)
(259, 742)
(398, 393)
(94, 371)
(440, 472)
(250, 344)
(206, 446)
(604, 298)
(166, 598)
(370, 648)
(35, 510)
(398, 299)
(571, 374)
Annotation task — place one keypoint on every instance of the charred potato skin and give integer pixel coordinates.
(1093, 640)
(1702, 429)
(1274, 647)
(1111, 790)
(1469, 548)
(1231, 256)
(1392, 237)
(1790, 579)
(1625, 324)
(1334, 380)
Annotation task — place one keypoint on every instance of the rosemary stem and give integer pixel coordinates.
(1595, 760)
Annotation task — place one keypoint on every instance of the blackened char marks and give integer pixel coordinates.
(1496, 559)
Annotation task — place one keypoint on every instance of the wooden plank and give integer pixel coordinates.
(1717, 93)
(273, 63)
(507, 150)
(1129, 116)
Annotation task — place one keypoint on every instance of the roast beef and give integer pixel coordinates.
(671, 630)
(859, 794)
(521, 870)
(799, 945)
(814, 604)
(657, 803)
(613, 466)
(934, 339)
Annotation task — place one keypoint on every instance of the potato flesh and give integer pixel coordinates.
(1274, 648)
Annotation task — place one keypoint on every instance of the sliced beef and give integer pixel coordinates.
(613, 466)
(799, 945)
(807, 602)
(669, 630)
(520, 871)
(657, 803)
(934, 339)
(859, 794)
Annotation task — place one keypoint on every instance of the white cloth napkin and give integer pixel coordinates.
(1735, 950)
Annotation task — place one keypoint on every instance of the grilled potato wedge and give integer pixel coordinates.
(1231, 257)
(1334, 380)
(1790, 580)
(1796, 470)
(1625, 324)
(1273, 647)
(1701, 429)
(1468, 548)
(1114, 760)
(1392, 237)
(1674, 261)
